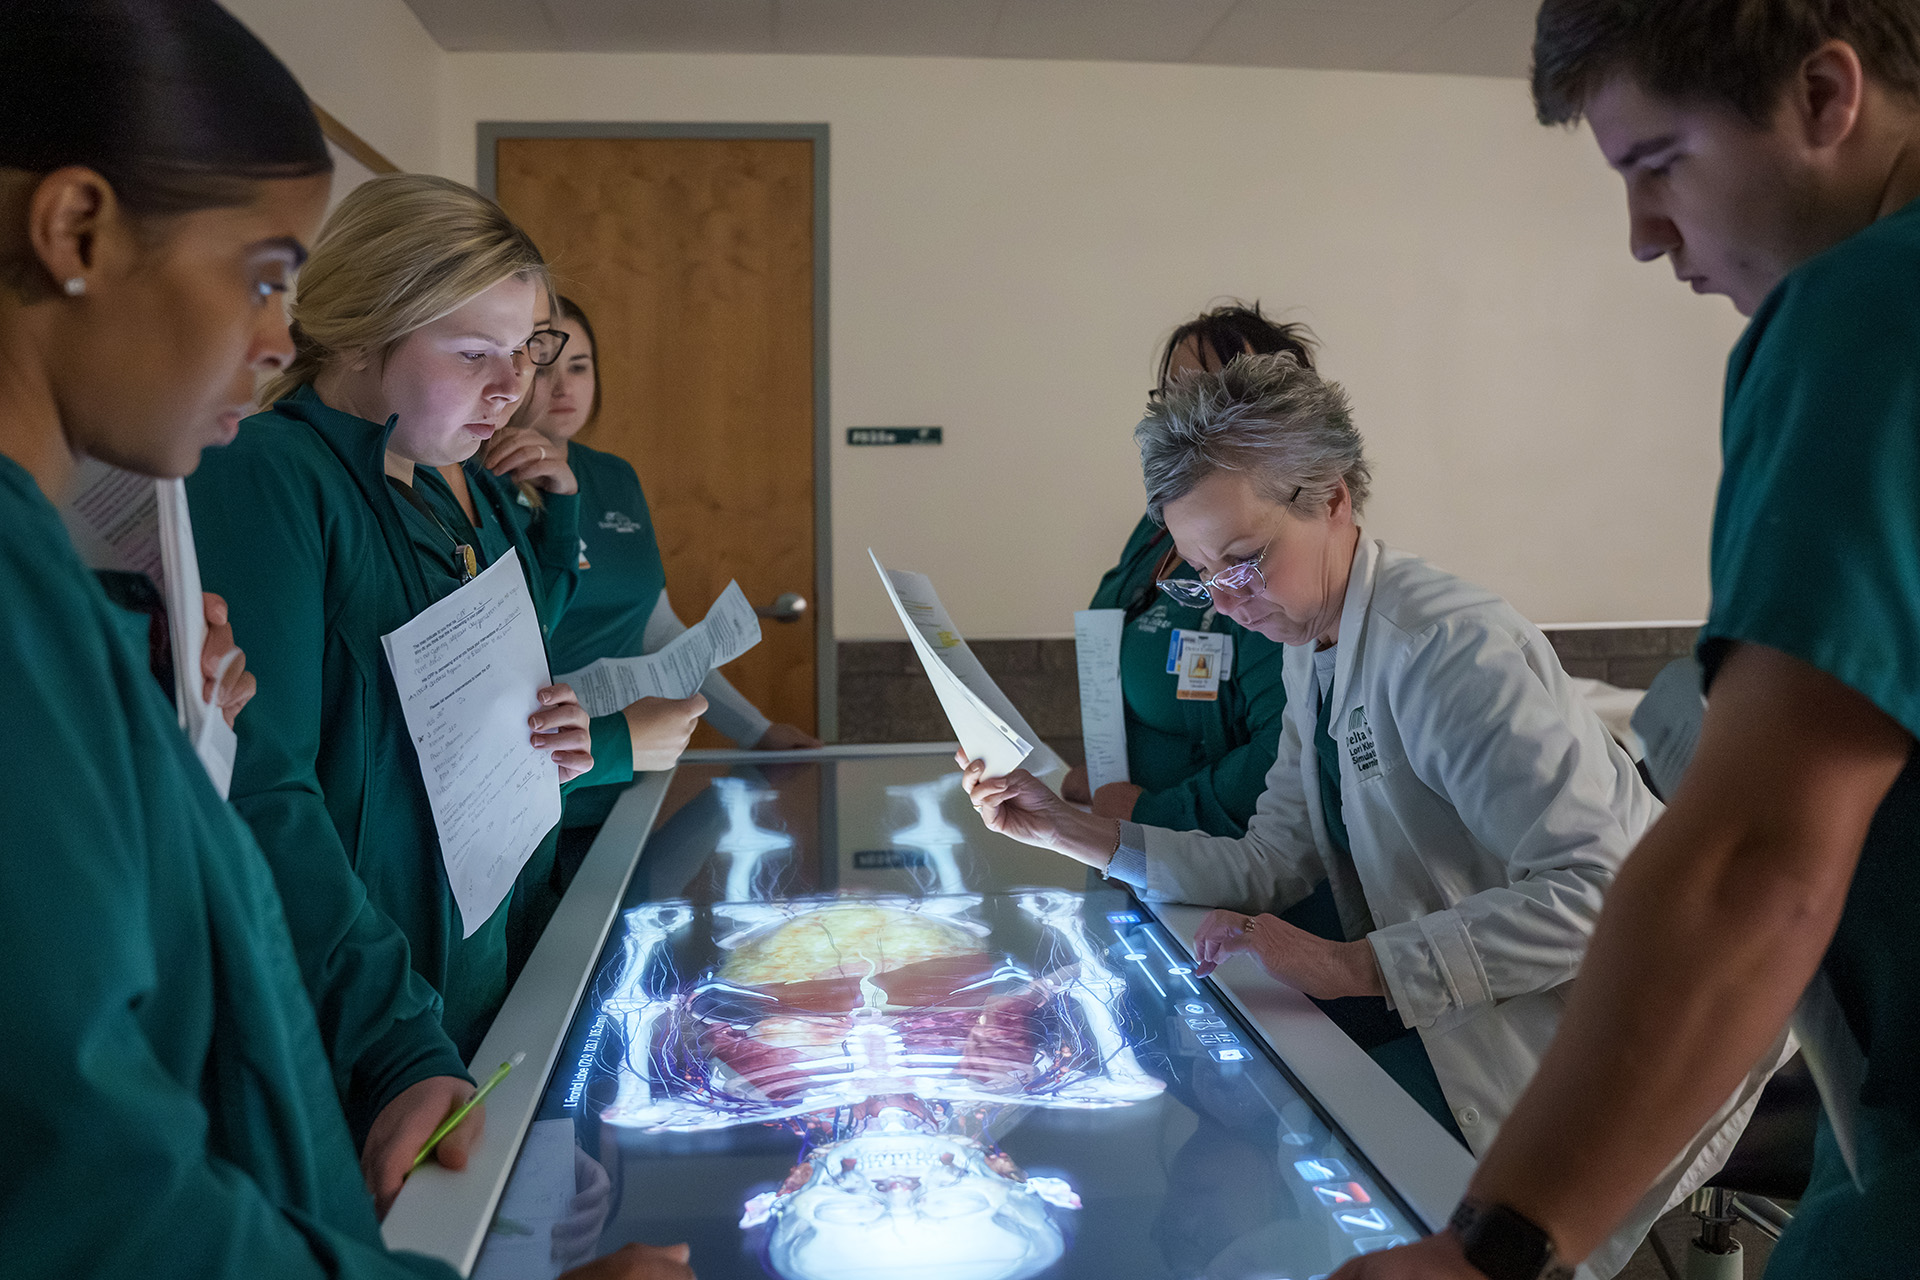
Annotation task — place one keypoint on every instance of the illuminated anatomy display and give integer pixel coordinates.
(889, 1035)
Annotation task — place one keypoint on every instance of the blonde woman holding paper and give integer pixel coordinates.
(326, 525)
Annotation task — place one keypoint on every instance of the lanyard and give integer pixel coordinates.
(464, 558)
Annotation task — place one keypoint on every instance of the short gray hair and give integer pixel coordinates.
(1270, 416)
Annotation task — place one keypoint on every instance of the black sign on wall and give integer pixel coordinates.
(893, 435)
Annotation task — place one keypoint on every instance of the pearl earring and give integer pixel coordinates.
(76, 285)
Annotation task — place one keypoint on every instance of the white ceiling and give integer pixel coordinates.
(1466, 37)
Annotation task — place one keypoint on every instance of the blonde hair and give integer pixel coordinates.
(401, 251)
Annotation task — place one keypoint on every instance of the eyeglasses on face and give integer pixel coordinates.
(545, 346)
(1235, 582)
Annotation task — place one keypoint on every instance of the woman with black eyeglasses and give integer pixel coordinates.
(361, 497)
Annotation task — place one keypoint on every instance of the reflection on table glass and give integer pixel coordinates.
(841, 1032)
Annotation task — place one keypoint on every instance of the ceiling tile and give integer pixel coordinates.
(666, 26)
(904, 28)
(1487, 38)
(1356, 34)
(465, 26)
(1466, 37)
(1117, 30)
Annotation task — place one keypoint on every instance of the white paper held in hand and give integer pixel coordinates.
(1103, 714)
(469, 670)
(136, 524)
(678, 668)
(983, 718)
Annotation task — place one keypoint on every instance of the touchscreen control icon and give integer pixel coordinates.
(1194, 1008)
(1206, 1024)
(1123, 917)
(1342, 1193)
(1354, 1221)
(1228, 1055)
(1321, 1170)
(1374, 1244)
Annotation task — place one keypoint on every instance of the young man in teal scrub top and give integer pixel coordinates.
(1771, 152)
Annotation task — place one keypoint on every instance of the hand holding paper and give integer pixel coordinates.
(468, 670)
(120, 520)
(679, 669)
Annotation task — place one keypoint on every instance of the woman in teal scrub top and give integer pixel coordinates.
(620, 607)
(174, 1107)
(326, 527)
(1194, 763)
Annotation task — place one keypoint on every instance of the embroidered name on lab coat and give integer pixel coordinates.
(1360, 748)
(619, 522)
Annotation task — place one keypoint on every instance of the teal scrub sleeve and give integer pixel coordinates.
(1219, 797)
(151, 1024)
(109, 1170)
(554, 532)
(612, 754)
(260, 545)
(1816, 537)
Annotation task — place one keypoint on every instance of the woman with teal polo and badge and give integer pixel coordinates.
(620, 607)
(1198, 762)
(326, 527)
(174, 1107)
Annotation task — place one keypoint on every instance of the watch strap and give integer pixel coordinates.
(1502, 1243)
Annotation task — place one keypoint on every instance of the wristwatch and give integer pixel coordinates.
(1503, 1244)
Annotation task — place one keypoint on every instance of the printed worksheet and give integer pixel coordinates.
(983, 718)
(679, 668)
(1103, 713)
(137, 524)
(469, 670)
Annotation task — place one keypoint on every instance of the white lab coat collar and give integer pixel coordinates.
(1354, 611)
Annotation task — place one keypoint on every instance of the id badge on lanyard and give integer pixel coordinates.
(1199, 661)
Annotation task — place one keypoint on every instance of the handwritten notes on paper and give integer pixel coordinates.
(1103, 713)
(469, 670)
(680, 666)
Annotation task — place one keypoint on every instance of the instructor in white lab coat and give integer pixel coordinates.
(1436, 765)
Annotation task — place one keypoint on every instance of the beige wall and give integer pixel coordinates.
(1010, 241)
(369, 62)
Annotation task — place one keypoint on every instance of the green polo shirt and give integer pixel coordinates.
(172, 1105)
(1816, 552)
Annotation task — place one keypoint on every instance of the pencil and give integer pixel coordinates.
(452, 1122)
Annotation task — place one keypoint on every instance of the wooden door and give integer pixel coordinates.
(694, 259)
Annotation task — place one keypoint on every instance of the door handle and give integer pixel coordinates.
(788, 606)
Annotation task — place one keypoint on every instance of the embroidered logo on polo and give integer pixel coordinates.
(1360, 748)
(618, 522)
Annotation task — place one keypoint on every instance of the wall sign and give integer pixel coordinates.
(893, 435)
